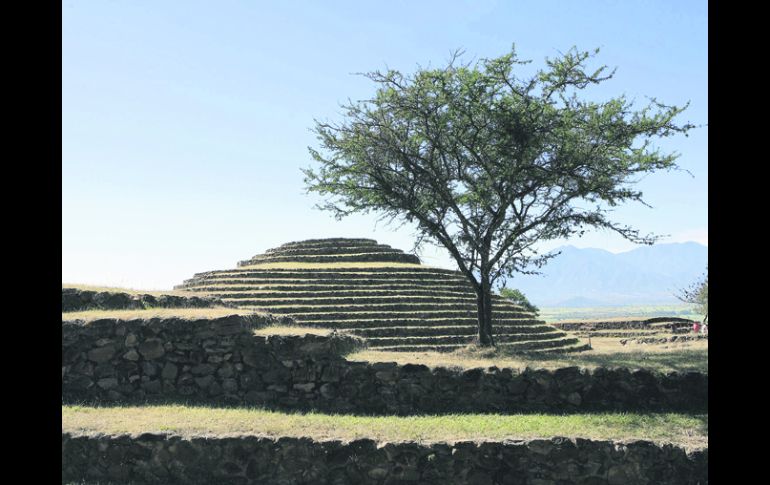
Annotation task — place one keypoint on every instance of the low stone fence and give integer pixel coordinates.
(75, 299)
(221, 360)
(669, 323)
(159, 458)
(663, 340)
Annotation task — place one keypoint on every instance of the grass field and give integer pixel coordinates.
(186, 313)
(558, 314)
(607, 352)
(690, 431)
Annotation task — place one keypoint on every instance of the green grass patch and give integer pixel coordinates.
(690, 431)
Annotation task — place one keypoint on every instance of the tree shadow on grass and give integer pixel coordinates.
(681, 361)
(685, 360)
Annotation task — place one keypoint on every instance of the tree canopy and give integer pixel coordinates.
(487, 163)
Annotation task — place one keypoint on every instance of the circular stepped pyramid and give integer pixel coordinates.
(381, 294)
(335, 250)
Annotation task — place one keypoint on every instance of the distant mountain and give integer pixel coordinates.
(595, 277)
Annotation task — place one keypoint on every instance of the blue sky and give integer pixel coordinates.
(185, 124)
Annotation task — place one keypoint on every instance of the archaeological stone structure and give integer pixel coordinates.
(222, 360)
(375, 292)
(218, 350)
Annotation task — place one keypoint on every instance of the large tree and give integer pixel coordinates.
(488, 163)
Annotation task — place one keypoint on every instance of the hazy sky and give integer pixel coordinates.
(185, 123)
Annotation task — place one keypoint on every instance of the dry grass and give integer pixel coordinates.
(131, 291)
(186, 313)
(291, 330)
(690, 431)
(607, 352)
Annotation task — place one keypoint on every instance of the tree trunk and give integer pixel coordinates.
(484, 301)
(488, 313)
(484, 339)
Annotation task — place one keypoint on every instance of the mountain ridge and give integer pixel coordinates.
(643, 275)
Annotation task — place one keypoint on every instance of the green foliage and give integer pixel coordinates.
(517, 297)
(488, 163)
(698, 295)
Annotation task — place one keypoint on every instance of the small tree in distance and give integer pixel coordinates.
(698, 295)
(487, 163)
(517, 297)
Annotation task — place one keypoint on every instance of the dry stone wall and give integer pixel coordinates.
(661, 323)
(75, 299)
(221, 360)
(159, 458)
(664, 340)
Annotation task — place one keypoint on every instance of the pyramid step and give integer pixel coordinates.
(331, 278)
(468, 307)
(617, 334)
(407, 271)
(395, 315)
(459, 302)
(251, 293)
(409, 268)
(333, 257)
(424, 331)
(462, 339)
(332, 241)
(536, 347)
(391, 257)
(366, 312)
(365, 280)
(420, 348)
(309, 285)
(372, 248)
(367, 303)
(416, 322)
